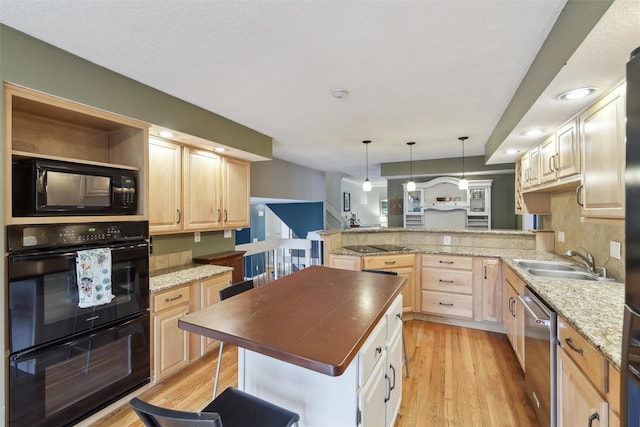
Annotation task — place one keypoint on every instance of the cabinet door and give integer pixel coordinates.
(210, 295)
(568, 155)
(491, 290)
(201, 190)
(507, 310)
(525, 171)
(409, 288)
(345, 262)
(165, 194)
(393, 399)
(371, 407)
(534, 167)
(579, 403)
(171, 344)
(603, 138)
(236, 193)
(548, 160)
(518, 330)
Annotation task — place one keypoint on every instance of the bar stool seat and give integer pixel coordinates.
(233, 408)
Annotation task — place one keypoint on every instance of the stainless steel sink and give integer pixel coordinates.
(559, 274)
(548, 265)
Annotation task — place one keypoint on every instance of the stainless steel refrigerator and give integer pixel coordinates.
(630, 369)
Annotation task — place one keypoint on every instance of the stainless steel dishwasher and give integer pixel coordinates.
(540, 349)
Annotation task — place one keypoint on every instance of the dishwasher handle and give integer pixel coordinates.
(540, 316)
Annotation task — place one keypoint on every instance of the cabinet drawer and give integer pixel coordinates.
(447, 304)
(444, 261)
(394, 316)
(590, 361)
(457, 281)
(372, 350)
(170, 298)
(388, 261)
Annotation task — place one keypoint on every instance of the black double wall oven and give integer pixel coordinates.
(69, 357)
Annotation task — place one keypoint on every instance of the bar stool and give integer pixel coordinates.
(228, 292)
(233, 408)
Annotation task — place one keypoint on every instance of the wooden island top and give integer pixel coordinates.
(317, 318)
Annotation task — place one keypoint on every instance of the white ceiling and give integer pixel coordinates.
(427, 71)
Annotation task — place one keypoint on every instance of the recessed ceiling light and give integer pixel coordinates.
(533, 132)
(570, 95)
(512, 151)
(339, 93)
(166, 134)
(219, 150)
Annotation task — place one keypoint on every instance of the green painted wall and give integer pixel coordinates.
(210, 243)
(31, 63)
(34, 64)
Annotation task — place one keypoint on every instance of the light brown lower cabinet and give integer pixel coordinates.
(513, 311)
(170, 343)
(579, 403)
(209, 291)
(172, 347)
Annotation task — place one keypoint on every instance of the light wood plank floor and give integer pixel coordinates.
(459, 377)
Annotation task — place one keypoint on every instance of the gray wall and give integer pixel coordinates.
(279, 179)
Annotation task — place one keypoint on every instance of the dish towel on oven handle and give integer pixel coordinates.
(93, 268)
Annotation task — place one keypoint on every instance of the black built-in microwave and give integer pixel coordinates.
(43, 187)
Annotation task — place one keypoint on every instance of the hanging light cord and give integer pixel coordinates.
(463, 139)
(366, 146)
(410, 144)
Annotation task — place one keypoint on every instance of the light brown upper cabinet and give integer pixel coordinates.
(165, 195)
(201, 190)
(37, 125)
(567, 162)
(236, 193)
(195, 190)
(560, 155)
(530, 175)
(602, 130)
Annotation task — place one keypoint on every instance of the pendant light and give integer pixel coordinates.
(366, 185)
(411, 186)
(463, 184)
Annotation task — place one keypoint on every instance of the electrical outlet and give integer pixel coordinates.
(227, 234)
(561, 236)
(447, 240)
(614, 249)
(196, 236)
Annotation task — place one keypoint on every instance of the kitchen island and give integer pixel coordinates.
(322, 342)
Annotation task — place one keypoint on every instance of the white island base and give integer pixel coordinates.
(368, 393)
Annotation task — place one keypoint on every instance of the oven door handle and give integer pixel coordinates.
(68, 254)
(536, 310)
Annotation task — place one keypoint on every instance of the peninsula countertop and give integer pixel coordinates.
(317, 318)
(594, 309)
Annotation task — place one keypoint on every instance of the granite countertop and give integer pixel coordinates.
(594, 309)
(171, 277)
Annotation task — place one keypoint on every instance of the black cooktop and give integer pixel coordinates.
(376, 249)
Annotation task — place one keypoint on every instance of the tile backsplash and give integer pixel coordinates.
(175, 259)
(595, 237)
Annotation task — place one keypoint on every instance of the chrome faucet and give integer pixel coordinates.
(588, 260)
